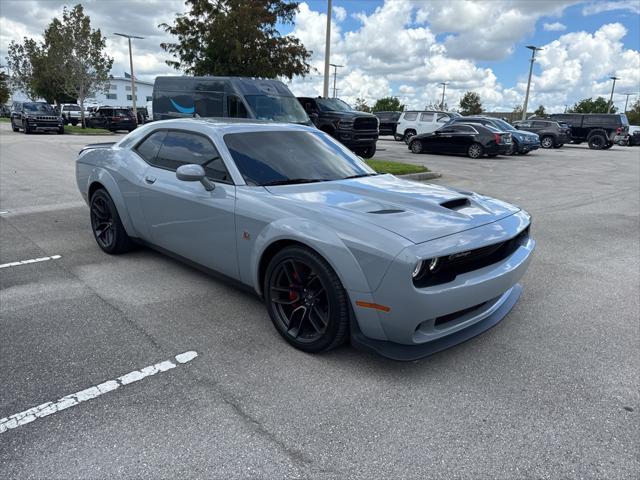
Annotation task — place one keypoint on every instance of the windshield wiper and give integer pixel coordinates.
(291, 181)
(360, 175)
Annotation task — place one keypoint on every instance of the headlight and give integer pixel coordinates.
(417, 269)
(345, 123)
(425, 266)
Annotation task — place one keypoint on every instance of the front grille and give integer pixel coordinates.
(456, 315)
(449, 267)
(365, 123)
(47, 118)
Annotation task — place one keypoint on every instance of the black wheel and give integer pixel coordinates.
(597, 142)
(546, 142)
(25, 127)
(13, 127)
(475, 150)
(408, 135)
(368, 152)
(60, 130)
(74, 122)
(306, 300)
(416, 146)
(106, 225)
(514, 148)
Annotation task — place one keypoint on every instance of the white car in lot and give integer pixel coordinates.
(415, 122)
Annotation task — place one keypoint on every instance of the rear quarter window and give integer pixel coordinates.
(149, 147)
(411, 116)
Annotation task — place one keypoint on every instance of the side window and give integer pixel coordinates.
(209, 104)
(426, 117)
(411, 116)
(182, 148)
(235, 107)
(442, 118)
(539, 124)
(524, 124)
(150, 146)
(463, 129)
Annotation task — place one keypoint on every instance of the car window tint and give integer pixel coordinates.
(539, 124)
(411, 116)
(442, 117)
(183, 148)
(149, 147)
(463, 129)
(426, 117)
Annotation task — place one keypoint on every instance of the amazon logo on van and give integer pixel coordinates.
(182, 109)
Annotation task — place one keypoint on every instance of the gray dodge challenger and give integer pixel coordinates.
(336, 250)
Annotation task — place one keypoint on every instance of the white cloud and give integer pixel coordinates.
(554, 27)
(600, 6)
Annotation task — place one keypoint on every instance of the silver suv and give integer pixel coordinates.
(70, 113)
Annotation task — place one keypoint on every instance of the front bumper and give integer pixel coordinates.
(422, 321)
(357, 138)
(524, 147)
(45, 126)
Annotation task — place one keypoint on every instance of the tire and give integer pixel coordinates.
(306, 300)
(300, 286)
(416, 146)
(597, 142)
(368, 152)
(547, 142)
(397, 137)
(608, 146)
(74, 122)
(13, 127)
(514, 148)
(25, 127)
(475, 150)
(407, 136)
(112, 238)
(61, 131)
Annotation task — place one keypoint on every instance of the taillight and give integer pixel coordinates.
(497, 137)
(619, 130)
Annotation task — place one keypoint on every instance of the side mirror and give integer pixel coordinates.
(194, 173)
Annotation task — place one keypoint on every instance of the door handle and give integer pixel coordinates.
(150, 179)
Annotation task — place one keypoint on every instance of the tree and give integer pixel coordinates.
(361, 105)
(589, 105)
(80, 52)
(470, 104)
(633, 114)
(68, 65)
(540, 111)
(5, 89)
(388, 104)
(236, 37)
(517, 110)
(437, 106)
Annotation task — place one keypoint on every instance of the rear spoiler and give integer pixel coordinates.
(94, 146)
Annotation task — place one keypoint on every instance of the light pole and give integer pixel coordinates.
(444, 87)
(533, 49)
(335, 73)
(614, 78)
(327, 52)
(133, 77)
(626, 101)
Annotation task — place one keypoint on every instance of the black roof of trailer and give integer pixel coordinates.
(241, 85)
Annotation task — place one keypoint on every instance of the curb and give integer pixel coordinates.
(420, 176)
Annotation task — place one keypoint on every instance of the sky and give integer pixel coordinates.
(406, 48)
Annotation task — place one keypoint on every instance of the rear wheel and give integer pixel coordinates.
(368, 152)
(306, 300)
(416, 146)
(60, 130)
(106, 224)
(74, 122)
(25, 127)
(475, 150)
(13, 127)
(597, 142)
(514, 148)
(608, 146)
(408, 135)
(546, 142)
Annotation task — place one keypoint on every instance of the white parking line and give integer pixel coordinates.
(31, 260)
(18, 419)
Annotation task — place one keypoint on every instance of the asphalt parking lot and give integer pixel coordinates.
(551, 392)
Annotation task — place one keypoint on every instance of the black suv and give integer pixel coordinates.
(388, 122)
(598, 129)
(35, 116)
(112, 118)
(552, 134)
(356, 130)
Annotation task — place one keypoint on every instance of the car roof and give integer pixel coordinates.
(232, 125)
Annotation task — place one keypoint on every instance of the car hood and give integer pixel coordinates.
(418, 212)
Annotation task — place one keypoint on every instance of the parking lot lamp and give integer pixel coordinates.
(626, 100)
(327, 52)
(133, 78)
(533, 49)
(444, 87)
(335, 72)
(614, 78)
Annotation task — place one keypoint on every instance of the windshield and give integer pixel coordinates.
(277, 108)
(333, 104)
(504, 125)
(39, 107)
(280, 157)
(72, 108)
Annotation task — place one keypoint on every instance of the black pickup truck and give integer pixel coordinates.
(599, 130)
(356, 130)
